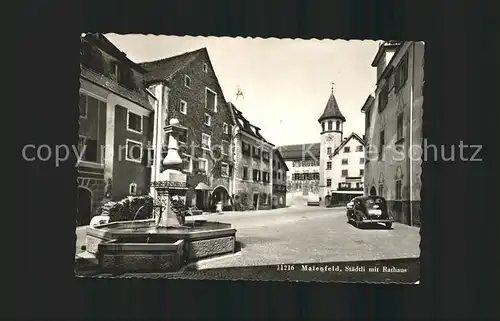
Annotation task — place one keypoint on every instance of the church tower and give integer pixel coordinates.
(332, 126)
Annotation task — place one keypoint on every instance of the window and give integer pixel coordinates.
(381, 146)
(224, 169)
(187, 81)
(361, 160)
(265, 177)
(132, 189)
(337, 125)
(345, 173)
(330, 125)
(88, 149)
(202, 164)
(225, 128)
(401, 73)
(205, 67)
(83, 105)
(205, 141)
(225, 147)
(361, 172)
(367, 118)
(207, 120)
(134, 122)
(347, 149)
(115, 70)
(187, 163)
(345, 161)
(275, 175)
(328, 150)
(399, 133)
(183, 107)
(328, 165)
(322, 126)
(134, 151)
(245, 148)
(265, 156)
(245, 173)
(359, 148)
(279, 175)
(398, 190)
(183, 136)
(210, 100)
(256, 175)
(383, 98)
(328, 182)
(381, 190)
(358, 185)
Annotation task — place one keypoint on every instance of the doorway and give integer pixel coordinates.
(255, 200)
(84, 206)
(373, 191)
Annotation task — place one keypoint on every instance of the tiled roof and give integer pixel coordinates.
(300, 151)
(348, 138)
(165, 69)
(102, 42)
(332, 109)
(368, 103)
(137, 97)
(245, 125)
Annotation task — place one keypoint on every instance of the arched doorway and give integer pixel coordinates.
(220, 194)
(84, 206)
(373, 191)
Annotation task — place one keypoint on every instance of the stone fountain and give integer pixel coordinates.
(164, 242)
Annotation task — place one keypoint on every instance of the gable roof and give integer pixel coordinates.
(165, 69)
(368, 103)
(348, 138)
(277, 152)
(245, 125)
(332, 109)
(300, 151)
(99, 40)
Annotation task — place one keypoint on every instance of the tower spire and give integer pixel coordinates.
(332, 86)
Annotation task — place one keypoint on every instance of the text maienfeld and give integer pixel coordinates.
(352, 268)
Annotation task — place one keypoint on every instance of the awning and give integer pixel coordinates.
(203, 187)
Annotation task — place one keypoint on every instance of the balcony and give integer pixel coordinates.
(357, 189)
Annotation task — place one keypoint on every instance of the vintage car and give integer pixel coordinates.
(369, 209)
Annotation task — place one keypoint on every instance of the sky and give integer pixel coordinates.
(286, 83)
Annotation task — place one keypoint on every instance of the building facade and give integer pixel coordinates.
(393, 122)
(341, 177)
(253, 163)
(302, 160)
(187, 88)
(115, 127)
(280, 170)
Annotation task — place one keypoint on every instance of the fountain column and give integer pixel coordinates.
(171, 181)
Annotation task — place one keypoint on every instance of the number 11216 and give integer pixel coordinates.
(285, 267)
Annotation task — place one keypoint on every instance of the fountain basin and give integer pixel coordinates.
(135, 243)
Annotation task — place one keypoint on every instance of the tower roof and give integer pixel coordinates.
(332, 109)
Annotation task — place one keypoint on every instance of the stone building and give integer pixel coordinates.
(340, 158)
(393, 121)
(115, 127)
(187, 88)
(280, 170)
(302, 161)
(253, 160)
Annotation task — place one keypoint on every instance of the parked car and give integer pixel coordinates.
(349, 207)
(369, 209)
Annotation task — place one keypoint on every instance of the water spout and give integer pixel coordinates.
(140, 208)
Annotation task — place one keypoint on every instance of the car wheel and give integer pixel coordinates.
(357, 222)
(388, 225)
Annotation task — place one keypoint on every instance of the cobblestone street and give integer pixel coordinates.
(312, 235)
